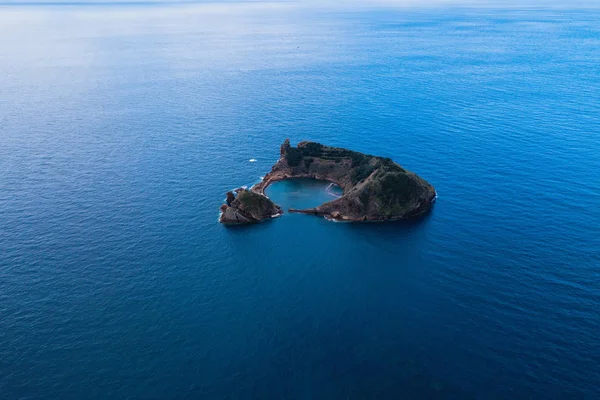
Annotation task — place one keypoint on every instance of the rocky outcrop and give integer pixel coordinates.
(375, 188)
(247, 207)
(230, 198)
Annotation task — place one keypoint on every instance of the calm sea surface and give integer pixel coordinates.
(122, 127)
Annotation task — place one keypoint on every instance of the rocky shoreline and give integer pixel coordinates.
(374, 188)
(243, 206)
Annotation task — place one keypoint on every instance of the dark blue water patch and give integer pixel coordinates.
(122, 131)
(303, 193)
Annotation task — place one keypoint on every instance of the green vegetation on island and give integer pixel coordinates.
(246, 207)
(375, 188)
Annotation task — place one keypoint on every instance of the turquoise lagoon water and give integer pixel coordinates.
(122, 128)
(302, 193)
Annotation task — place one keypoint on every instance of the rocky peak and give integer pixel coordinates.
(230, 198)
(284, 148)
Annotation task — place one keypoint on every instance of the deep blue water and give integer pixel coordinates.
(122, 127)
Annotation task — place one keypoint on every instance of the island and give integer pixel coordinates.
(247, 207)
(374, 188)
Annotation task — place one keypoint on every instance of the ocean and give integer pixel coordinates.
(122, 126)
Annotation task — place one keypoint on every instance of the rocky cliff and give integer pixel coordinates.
(247, 207)
(375, 188)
